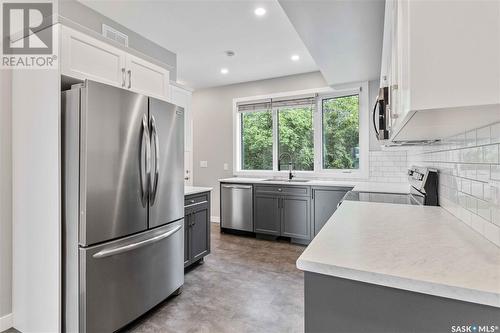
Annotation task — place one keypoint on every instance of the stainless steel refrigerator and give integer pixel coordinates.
(123, 197)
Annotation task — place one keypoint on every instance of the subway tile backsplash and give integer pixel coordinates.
(469, 169)
(388, 166)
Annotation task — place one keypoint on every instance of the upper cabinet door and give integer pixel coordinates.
(147, 78)
(453, 53)
(84, 57)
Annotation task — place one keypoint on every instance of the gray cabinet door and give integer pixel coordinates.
(296, 219)
(267, 215)
(199, 233)
(187, 222)
(324, 205)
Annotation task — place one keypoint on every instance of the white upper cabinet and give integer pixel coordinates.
(84, 57)
(441, 56)
(147, 78)
(385, 68)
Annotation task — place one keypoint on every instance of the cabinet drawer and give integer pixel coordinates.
(195, 200)
(286, 190)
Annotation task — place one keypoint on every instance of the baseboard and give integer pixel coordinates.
(5, 322)
(215, 219)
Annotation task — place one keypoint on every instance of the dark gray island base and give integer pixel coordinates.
(334, 304)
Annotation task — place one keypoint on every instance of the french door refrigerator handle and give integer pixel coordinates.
(135, 245)
(147, 159)
(154, 182)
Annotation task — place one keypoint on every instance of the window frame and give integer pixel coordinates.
(360, 89)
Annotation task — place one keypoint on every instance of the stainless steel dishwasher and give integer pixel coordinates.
(237, 206)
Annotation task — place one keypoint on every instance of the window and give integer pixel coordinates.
(325, 134)
(340, 131)
(257, 140)
(295, 134)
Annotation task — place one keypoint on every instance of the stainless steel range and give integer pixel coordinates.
(423, 190)
(123, 198)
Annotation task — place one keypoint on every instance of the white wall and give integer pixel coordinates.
(213, 123)
(5, 196)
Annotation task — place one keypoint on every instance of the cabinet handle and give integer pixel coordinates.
(129, 78)
(196, 204)
(123, 77)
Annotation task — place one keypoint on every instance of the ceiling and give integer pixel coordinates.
(200, 31)
(344, 37)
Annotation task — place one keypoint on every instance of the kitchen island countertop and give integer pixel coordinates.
(416, 248)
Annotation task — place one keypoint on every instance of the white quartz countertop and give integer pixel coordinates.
(358, 186)
(417, 248)
(188, 190)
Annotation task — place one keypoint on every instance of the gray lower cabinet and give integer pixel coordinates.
(283, 211)
(267, 219)
(295, 211)
(324, 204)
(196, 227)
(295, 221)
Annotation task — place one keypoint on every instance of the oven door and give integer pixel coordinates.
(121, 280)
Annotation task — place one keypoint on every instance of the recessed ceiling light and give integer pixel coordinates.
(224, 70)
(295, 57)
(260, 11)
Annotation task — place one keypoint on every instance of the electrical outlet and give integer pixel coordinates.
(203, 164)
(226, 166)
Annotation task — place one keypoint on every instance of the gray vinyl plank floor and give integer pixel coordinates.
(244, 285)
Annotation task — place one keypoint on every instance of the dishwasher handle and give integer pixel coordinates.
(238, 187)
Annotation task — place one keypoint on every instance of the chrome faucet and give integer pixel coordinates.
(290, 164)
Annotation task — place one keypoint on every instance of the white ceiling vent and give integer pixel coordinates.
(114, 34)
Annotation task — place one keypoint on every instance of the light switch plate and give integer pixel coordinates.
(203, 164)
(226, 166)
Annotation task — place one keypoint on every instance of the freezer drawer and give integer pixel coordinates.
(237, 206)
(121, 280)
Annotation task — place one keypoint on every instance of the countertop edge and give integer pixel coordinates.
(363, 186)
(419, 286)
(197, 190)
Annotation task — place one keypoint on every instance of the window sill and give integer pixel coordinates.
(316, 175)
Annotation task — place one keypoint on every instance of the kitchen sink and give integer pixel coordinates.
(287, 180)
